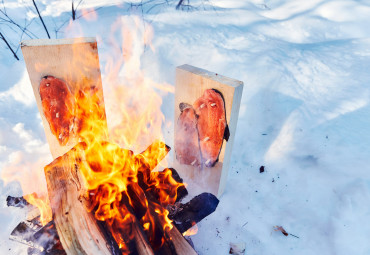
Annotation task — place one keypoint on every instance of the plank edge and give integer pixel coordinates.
(44, 42)
(211, 75)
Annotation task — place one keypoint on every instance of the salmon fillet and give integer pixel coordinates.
(58, 106)
(210, 109)
(186, 140)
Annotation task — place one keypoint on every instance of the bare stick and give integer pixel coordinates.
(73, 12)
(42, 21)
(10, 48)
(179, 4)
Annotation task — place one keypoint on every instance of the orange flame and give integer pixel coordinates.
(32, 181)
(191, 231)
(42, 204)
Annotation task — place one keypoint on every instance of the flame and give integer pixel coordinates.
(42, 204)
(31, 178)
(191, 231)
(119, 181)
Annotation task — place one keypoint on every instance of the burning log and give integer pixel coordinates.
(16, 201)
(68, 191)
(77, 228)
(20, 202)
(40, 239)
(74, 203)
(186, 215)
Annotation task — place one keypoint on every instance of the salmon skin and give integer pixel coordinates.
(58, 106)
(210, 109)
(186, 141)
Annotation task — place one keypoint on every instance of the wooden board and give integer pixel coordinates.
(77, 228)
(72, 60)
(191, 82)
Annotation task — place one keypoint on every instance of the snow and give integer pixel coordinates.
(304, 114)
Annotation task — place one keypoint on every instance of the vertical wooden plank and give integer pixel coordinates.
(191, 82)
(75, 62)
(77, 228)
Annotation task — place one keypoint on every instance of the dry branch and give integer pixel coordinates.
(42, 21)
(10, 48)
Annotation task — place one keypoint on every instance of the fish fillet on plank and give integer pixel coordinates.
(186, 141)
(58, 106)
(211, 125)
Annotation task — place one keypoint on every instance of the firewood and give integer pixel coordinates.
(16, 201)
(20, 202)
(186, 215)
(40, 239)
(67, 193)
(69, 209)
(77, 228)
(141, 241)
(181, 191)
(24, 231)
(175, 242)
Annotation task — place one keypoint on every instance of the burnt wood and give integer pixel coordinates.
(16, 201)
(175, 243)
(42, 240)
(186, 215)
(66, 183)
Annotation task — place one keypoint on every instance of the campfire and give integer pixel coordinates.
(102, 199)
(127, 209)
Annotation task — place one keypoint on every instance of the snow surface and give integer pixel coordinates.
(304, 113)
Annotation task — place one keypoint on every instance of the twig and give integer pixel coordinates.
(42, 21)
(3, 38)
(11, 21)
(73, 12)
(179, 4)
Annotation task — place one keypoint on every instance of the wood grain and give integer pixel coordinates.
(77, 228)
(191, 82)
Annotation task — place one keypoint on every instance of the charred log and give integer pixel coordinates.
(16, 202)
(186, 215)
(40, 239)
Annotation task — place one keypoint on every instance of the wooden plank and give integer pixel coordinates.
(75, 62)
(77, 228)
(182, 246)
(191, 84)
